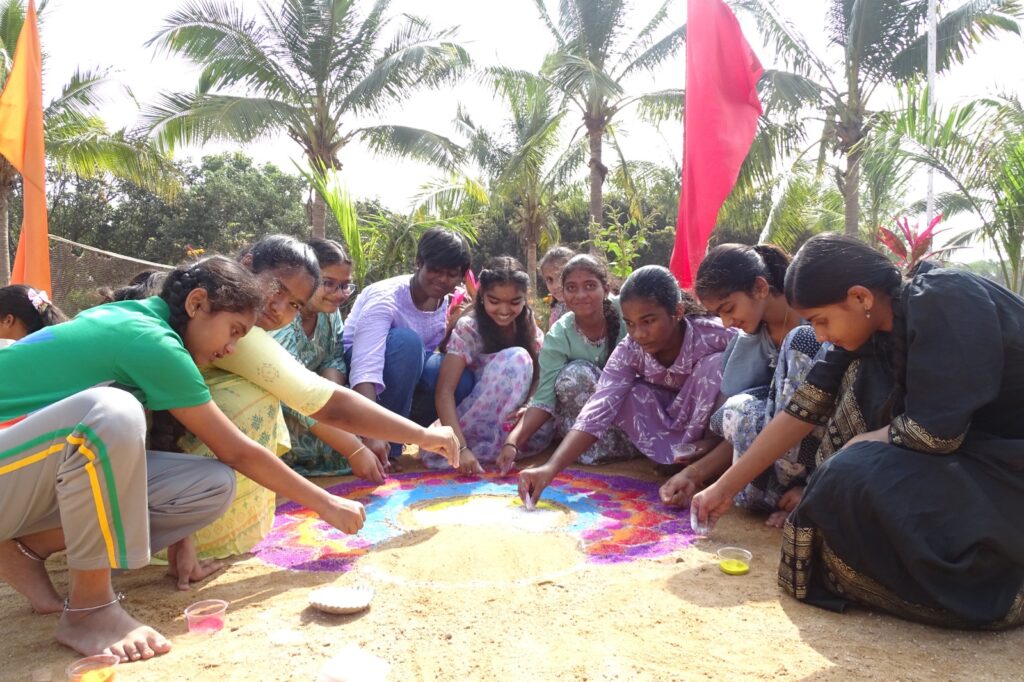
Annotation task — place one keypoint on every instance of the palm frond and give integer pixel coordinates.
(413, 143)
(645, 37)
(661, 106)
(958, 34)
(573, 74)
(418, 57)
(545, 17)
(233, 49)
(450, 196)
(183, 118)
(81, 94)
(82, 146)
(789, 92)
(657, 54)
(782, 36)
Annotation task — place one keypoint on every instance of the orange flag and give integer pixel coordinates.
(21, 143)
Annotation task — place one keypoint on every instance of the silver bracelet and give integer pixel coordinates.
(28, 552)
(67, 604)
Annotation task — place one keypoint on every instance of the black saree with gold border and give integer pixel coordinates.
(926, 526)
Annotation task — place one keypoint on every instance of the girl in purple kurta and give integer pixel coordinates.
(659, 385)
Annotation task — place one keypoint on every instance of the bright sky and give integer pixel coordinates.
(111, 33)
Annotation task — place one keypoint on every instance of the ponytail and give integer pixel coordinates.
(729, 268)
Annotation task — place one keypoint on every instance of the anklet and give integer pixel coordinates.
(28, 552)
(67, 604)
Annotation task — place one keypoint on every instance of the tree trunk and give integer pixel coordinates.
(319, 216)
(851, 132)
(597, 175)
(531, 261)
(5, 249)
(851, 193)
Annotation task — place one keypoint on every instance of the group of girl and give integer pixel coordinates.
(821, 392)
(878, 417)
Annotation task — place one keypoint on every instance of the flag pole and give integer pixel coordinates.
(932, 50)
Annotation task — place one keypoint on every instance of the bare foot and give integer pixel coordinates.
(28, 577)
(110, 630)
(777, 519)
(185, 567)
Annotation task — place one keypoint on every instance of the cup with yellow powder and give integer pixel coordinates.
(734, 560)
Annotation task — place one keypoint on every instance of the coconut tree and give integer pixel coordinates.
(871, 43)
(595, 56)
(311, 69)
(76, 140)
(978, 148)
(526, 166)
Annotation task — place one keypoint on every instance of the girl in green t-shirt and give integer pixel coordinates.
(575, 350)
(71, 413)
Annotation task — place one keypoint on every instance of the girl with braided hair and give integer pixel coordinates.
(75, 471)
(762, 367)
(24, 310)
(660, 384)
(915, 503)
(575, 350)
(498, 342)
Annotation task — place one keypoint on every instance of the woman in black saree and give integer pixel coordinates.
(917, 503)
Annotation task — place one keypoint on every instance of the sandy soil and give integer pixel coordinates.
(486, 603)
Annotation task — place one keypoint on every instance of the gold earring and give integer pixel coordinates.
(867, 313)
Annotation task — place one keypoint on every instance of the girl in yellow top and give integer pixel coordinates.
(252, 383)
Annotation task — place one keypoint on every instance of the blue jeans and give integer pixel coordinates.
(411, 371)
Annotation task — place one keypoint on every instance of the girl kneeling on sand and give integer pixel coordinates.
(659, 385)
(762, 367)
(575, 350)
(498, 341)
(75, 472)
(916, 502)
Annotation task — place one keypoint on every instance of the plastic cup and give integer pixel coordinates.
(734, 560)
(701, 529)
(683, 453)
(207, 616)
(100, 668)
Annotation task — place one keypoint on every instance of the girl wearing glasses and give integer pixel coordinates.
(314, 338)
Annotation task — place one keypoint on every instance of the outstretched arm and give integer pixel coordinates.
(781, 434)
(349, 411)
(246, 456)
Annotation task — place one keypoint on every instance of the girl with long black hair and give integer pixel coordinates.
(916, 501)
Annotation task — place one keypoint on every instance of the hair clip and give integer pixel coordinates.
(39, 300)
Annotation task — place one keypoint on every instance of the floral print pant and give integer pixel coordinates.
(487, 414)
(573, 387)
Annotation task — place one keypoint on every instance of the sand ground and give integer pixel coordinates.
(483, 603)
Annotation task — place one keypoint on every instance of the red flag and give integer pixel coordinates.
(21, 143)
(719, 124)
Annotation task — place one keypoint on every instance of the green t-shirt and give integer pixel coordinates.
(128, 345)
(563, 344)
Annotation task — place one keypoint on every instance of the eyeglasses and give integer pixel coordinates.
(331, 285)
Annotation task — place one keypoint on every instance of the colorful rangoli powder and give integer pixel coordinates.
(616, 518)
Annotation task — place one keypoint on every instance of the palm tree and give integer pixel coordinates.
(76, 140)
(526, 167)
(978, 147)
(594, 58)
(877, 42)
(309, 69)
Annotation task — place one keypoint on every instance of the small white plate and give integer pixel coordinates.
(341, 600)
